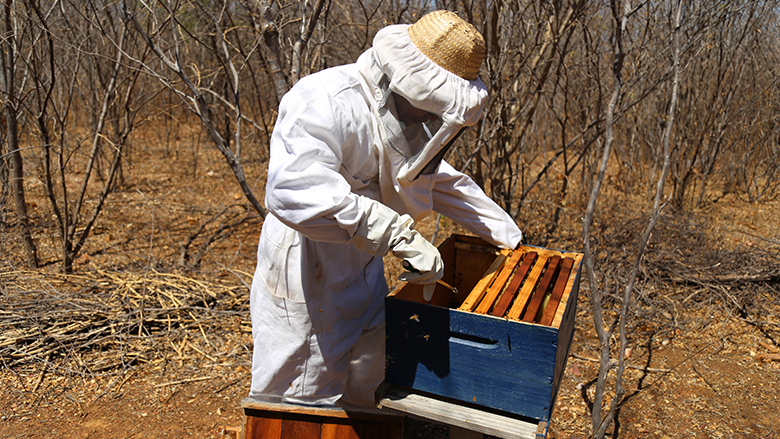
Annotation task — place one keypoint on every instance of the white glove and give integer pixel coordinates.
(422, 260)
(383, 230)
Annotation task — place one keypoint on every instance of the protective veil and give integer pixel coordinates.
(346, 182)
(407, 176)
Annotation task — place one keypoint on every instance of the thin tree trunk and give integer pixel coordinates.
(307, 28)
(598, 318)
(12, 135)
(272, 52)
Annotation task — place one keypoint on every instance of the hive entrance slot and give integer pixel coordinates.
(473, 341)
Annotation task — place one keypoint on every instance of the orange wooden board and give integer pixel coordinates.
(478, 292)
(557, 292)
(541, 289)
(342, 431)
(556, 323)
(499, 283)
(266, 427)
(514, 285)
(528, 287)
(300, 429)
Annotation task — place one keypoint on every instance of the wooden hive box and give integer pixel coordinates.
(265, 420)
(501, 342)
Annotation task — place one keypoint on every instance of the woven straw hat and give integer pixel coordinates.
(449, 41)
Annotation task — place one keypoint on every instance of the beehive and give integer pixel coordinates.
(500, 342)
(265, 420)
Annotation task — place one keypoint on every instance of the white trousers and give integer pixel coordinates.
(328, 350)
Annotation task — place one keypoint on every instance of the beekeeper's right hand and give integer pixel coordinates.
(423, 258)
(383, 230)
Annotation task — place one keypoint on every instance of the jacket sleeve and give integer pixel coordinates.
(308, 188)
(305, 189)
(458, 197)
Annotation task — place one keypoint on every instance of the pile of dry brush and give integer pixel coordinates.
(102, 323)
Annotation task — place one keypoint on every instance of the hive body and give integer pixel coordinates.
(502, 342)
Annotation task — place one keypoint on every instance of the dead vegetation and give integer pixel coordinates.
(99, 322)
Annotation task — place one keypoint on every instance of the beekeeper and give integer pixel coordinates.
(353, 165)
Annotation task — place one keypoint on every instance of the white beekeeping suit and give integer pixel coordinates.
(347, 178)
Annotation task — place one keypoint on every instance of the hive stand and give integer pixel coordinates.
(264, 420)
(465, 420)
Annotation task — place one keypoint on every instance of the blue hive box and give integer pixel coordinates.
(455, 349)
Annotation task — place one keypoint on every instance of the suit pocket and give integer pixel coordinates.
(279, 260)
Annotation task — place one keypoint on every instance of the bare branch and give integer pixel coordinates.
(201, 106)
(307, 28)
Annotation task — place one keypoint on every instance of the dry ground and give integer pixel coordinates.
(705, 317)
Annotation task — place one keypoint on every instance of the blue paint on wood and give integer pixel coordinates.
(493, 362)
